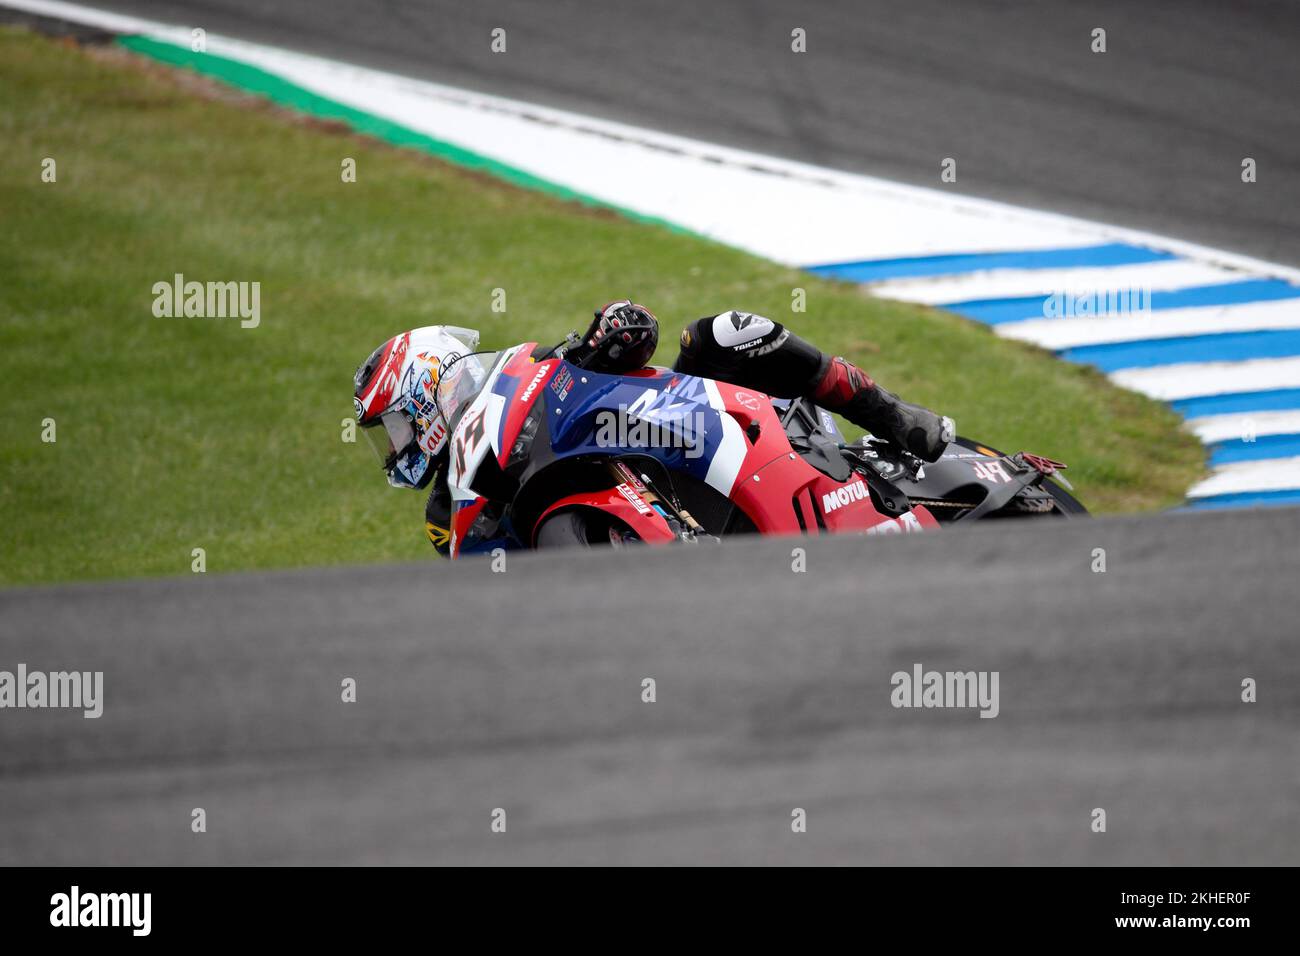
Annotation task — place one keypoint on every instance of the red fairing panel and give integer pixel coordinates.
(623, 503)
(462, 521)
(775, 487)
(768, 495)
(783, 491)
(848, 507)
(750, 408)
(529, 379)
(918, 519)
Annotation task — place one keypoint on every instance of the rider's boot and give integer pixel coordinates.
(846, 389)
(755, 352)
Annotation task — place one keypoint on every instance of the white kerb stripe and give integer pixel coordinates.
(1193, 379)
(1214, 428)
(1270, 474)
(1166, 323)
(1014, 283)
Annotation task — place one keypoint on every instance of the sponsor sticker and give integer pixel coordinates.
(844, 496)
(637, 501)
(903, 524)
(532, 386)
(562, 384)
(991, 471)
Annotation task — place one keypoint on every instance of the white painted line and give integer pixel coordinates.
(1017, 283)
(1166, 323)
(748, 202)
(1193, 379)
(1214, 428)
(793, 212)
(1270, 474)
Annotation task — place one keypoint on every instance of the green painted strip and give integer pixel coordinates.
(252, 79)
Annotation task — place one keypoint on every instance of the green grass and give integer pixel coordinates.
(180, 433)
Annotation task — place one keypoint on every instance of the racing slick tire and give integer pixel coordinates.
(583, 528)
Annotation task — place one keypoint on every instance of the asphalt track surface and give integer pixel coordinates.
(1151, 134)
(522, 690)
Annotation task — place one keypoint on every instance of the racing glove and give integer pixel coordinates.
(620, 339)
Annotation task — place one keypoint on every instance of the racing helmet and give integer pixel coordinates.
(394, 399)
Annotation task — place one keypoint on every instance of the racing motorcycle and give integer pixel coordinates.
(548, 454)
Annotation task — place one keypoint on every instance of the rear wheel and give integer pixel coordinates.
(1066, 503)
(584, 528)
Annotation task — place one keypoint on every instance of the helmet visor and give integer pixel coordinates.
(390, 436)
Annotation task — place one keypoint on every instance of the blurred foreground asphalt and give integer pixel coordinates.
(522, 690)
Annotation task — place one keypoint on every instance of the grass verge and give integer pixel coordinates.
(175, 434)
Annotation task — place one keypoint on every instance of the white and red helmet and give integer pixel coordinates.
(394, 399)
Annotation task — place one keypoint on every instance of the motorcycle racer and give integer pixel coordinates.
(394, 400)
(394, 387)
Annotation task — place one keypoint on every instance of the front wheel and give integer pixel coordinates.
(584, 528)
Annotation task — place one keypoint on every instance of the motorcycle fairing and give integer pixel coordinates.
(480, 428)
(963, 474)
(743, 450)
(789, 496)
(463, 517)
(473, 530)
(713, 446)
(745, 453)
(521, 383)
